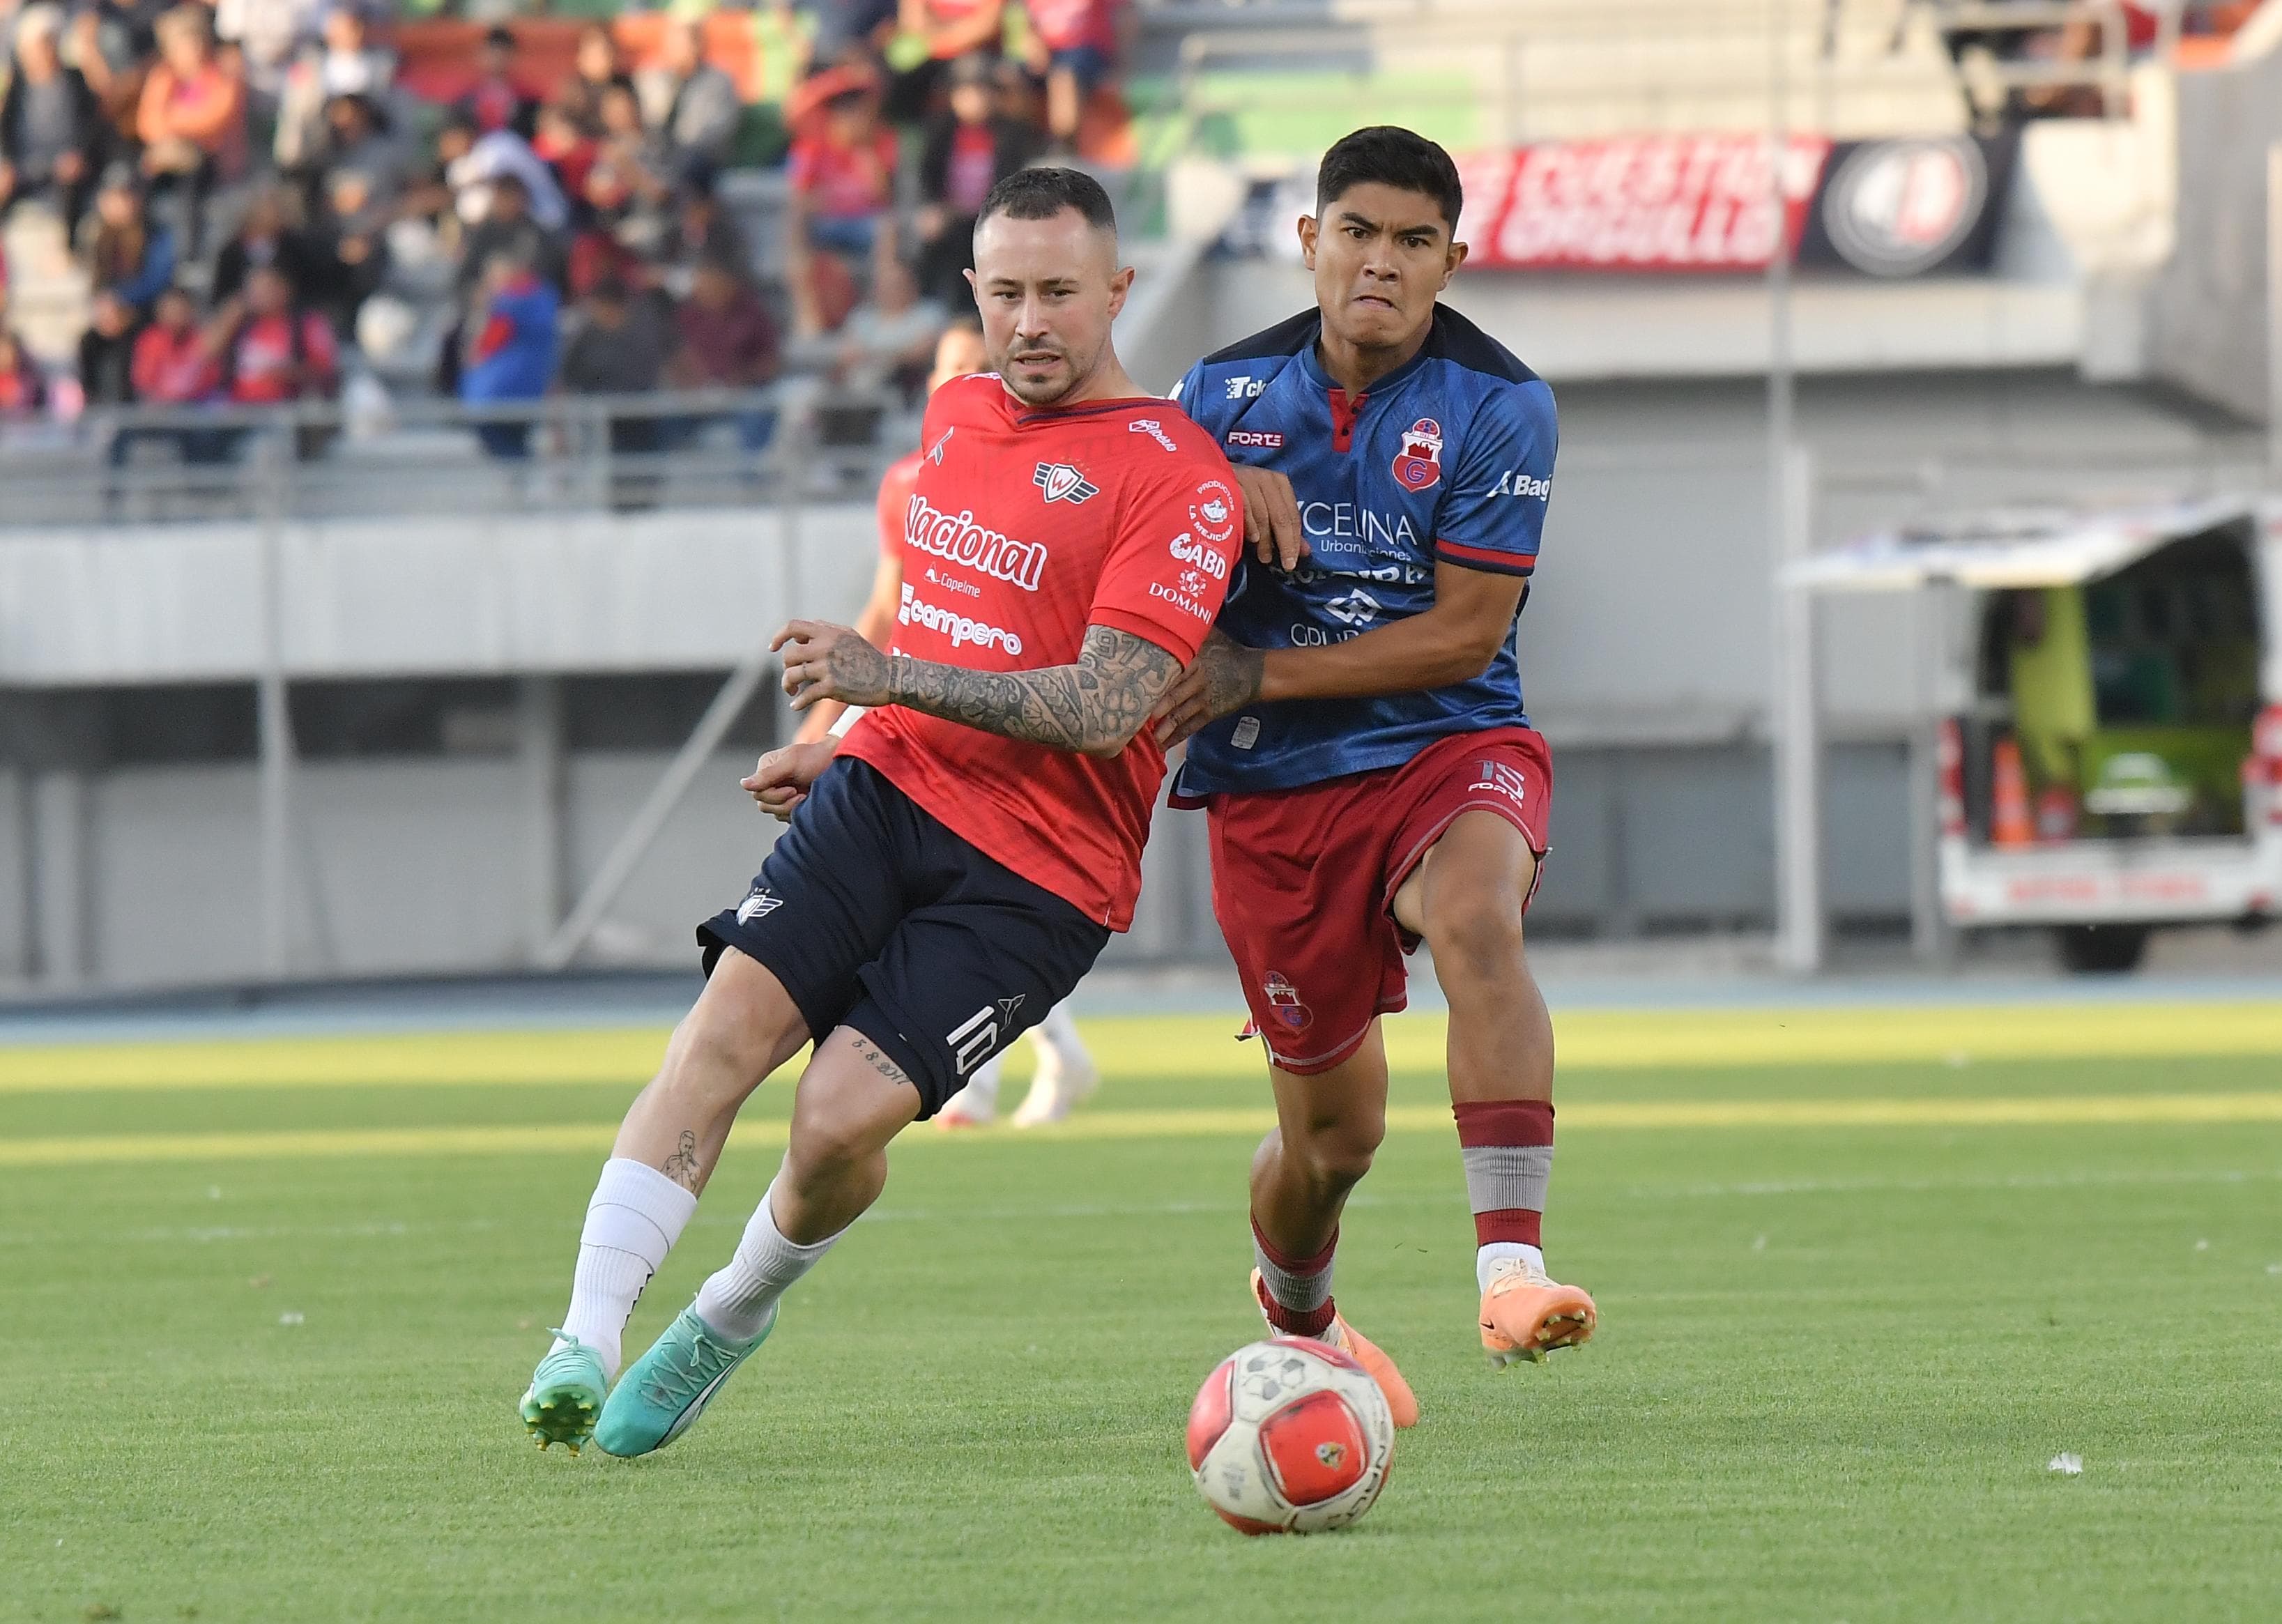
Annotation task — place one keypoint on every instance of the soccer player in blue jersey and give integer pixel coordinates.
(1358, 740)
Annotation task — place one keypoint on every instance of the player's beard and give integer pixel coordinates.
(1056, 387)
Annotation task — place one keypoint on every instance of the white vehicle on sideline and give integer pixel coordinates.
(2112, 758)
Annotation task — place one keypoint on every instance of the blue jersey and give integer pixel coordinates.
(1448, 458)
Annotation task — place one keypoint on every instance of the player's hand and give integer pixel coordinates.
(1224, 678)
(1271, 517)
(823, 661)
(779, 781)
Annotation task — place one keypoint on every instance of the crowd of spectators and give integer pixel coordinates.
(266, 199)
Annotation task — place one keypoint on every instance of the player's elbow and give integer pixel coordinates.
(1472, 649)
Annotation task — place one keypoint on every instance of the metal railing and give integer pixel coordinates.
(425, 456)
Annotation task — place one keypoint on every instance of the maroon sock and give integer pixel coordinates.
(1507, 1145)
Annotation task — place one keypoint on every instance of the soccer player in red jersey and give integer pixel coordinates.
(1065, 1072)
(961, 857)
(1370, 776)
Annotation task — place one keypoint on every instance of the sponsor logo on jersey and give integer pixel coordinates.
(916, 611)
(1062, 482)
(1343, 521)
(1516, 483)
(1354, 607)
(935, 452)
(1500, 778)
(1181, 599)
(1154, 430)
(1283, 1002)
(760, 904)
(1243, 387)
(955, 538)
(1262, 437)
(1194, 584)
(1216, 513)
(1418, 465)
(952, 583)
(1188, 549)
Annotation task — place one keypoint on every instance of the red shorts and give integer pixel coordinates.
(1304, 882)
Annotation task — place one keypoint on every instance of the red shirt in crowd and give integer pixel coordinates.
(974, 167)
(1023, 529)
(262, 358)
(842, 182)
(172, 368)
(1066, 25)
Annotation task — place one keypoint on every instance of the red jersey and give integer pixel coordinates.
(895, 488)
(842, 183)
(1023, 529)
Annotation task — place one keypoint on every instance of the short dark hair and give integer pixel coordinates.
(1045, 192)
(1389, 155)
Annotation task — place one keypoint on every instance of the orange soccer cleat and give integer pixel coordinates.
(1401, 1404)
(1525, 1316)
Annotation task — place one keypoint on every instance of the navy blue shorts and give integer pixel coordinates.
(875, 916)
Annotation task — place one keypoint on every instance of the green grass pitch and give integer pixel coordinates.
(255, 1380)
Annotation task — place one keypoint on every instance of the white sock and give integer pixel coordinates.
(737, 1302)
(632, 1223)
(980, 1097)
(1492, 1258)
(1056, 1036)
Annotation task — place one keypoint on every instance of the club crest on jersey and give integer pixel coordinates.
(1283, 1002)
(1418, 465)
(1062, 482)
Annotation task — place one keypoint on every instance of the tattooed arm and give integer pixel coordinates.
(1094, 707)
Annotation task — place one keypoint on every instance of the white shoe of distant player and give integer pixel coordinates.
(1060, 1083)
(975, 1105)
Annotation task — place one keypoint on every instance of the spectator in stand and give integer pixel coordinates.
(173, 362)
(970, 147)
(113, 42)
(511, 347)
(495, 101)
(852, 30)
(351, 235)
(567, 149)
(619, 350)
(191, 120)
(638, 189)
(1074, 47)
(52, 136)
(23, 390)
(267, 35)
(124, 251)
(345, 62)
(724, 339)
(267, 236)
(948, 29)
(273, 350)
(475, 160)
(106, 352)
(509, 228)
(358, 141)
(596, 68)
(690, 106)
(705, 234)
(889, 342)
(843, 193)
(601, 250)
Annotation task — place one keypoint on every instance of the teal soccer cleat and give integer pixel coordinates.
(565, 1394)
(668, 1386)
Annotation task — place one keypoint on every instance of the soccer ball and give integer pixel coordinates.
(1290, 1436)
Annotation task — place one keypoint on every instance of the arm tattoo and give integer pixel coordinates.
(681, 1166)
(1096, 705)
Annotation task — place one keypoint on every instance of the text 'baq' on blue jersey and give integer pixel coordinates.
(1446, 459)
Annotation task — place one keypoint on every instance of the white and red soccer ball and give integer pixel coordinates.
(1290, 1436)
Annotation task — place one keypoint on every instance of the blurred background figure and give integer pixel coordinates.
(190, 120)
(53, 141)
(509, 343)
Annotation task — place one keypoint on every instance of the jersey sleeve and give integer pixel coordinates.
(1192, 397)
(1494, 514)
(1176, 542)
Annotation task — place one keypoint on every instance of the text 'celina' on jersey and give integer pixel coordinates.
(1446, 459)
(1019, 529)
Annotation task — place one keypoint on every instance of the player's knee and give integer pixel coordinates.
(1337, 1153)
(824, 1142)
(1476, 933)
